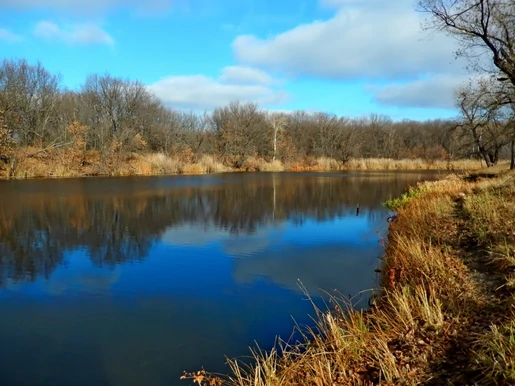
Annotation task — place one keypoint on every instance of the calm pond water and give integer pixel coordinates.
(130, 281)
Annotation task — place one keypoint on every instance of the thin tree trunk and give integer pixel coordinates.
(275, 139)
(485, 156)
(512, 163)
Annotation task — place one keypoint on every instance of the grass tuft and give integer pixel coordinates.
(495, 353)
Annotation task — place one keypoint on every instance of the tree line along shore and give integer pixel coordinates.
(114, 126)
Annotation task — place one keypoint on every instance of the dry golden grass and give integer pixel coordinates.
(193, 169)
(328, 164)
(274, 166)
(161, 164)
(156, 164)
(51, 164)
(495, 353)
(62, 171)
(355, 348)
(410, 164)
(74, 162)
(492, 211)
(251, 164)
(378, 164)
(256, 164)
(211, 165)
(143, 167)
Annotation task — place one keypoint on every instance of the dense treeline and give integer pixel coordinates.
(111, 115)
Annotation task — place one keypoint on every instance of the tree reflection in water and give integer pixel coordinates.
(118, 220)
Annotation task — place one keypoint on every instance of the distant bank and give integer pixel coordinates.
(56, 163)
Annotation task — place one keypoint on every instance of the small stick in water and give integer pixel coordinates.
(357, 209)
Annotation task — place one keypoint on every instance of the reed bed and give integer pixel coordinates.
(70, 162)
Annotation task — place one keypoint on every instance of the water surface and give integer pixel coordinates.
(130, 281)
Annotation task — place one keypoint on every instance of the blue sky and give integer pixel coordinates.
(348, 57)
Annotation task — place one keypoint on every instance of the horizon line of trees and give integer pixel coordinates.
(110, 114)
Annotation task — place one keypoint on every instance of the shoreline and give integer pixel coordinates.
(58, 163)
(441, 315)
(108, 176)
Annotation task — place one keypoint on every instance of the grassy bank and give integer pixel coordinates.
(56, 162)
(444, 315)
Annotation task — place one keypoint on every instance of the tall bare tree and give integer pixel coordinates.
(348, 140)
(485, 119)
(480, 26)
(278, 121)
(241, 131)
(28, 98)
(118, 110)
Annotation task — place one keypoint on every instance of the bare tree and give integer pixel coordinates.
(202, 139)
(278, 121)
(119, 110)
(486, 120)
(241, 131)
(512, 143)
(6, 141)
(503, 95)
(375, 130)
(480, 26)
(163, 130)
(28, 98)
(349, 141)
(328, 130)
(303, 132)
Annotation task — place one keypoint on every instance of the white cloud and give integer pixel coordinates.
(368, 40)
(91, 280)
(9, 36)
(245, 75)
(200, 92)
(438, 91)
(292, 265)
(76, 34)
(199, 235)
(364, 39)
(47, 30)
(196, 235)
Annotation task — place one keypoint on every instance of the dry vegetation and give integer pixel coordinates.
(74, 161)
(444, 314)
(58, 163)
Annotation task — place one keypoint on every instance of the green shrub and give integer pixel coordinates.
(399, 202)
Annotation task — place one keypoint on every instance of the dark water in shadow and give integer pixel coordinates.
(130, 281)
